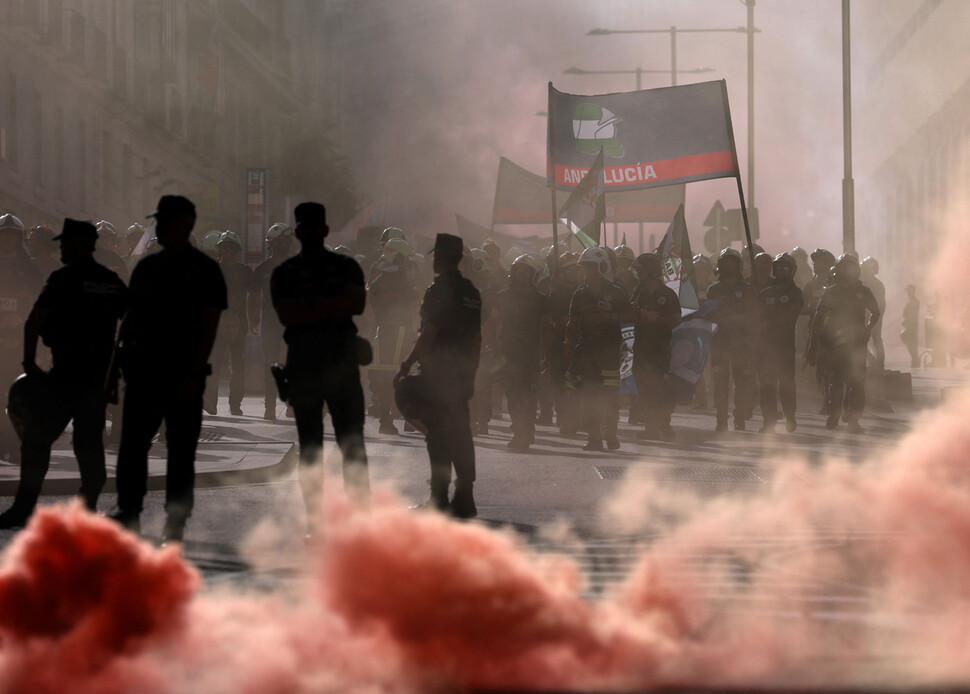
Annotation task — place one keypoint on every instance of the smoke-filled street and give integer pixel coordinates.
(433, 346)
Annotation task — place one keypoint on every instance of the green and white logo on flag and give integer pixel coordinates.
(595, 127)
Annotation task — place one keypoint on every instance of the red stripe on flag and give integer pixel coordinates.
(648, 173)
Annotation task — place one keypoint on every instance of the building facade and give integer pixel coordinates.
(105, 106)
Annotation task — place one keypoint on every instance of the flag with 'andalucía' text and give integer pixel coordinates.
(522, 197)
(585, 208)
(652, 137)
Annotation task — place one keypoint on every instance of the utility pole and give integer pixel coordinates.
(848, 184)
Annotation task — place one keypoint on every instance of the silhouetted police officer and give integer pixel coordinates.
(164, 344)
(230, 344)
(736, 314)
(657, 309)
(524, 324)
(781, 305)
(316, 294)
(841, 326)
(393, 298)
(279, 242)
(76, 315)
(448, 352)
(19, 283)
(593, 347)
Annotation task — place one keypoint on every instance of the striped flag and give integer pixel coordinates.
(652, 137)
(585, 208)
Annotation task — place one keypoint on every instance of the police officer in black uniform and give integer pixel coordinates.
(657, 309)
(393, 298)
(76, 315)
(316, 294)
(781, 304)
(735, 316)
(20, 282)
(230, 344)
(524, 325)
(562, 286)
(448, 351)
(593, 347)
(164, 344)
(279, 242)
(841, 325)
(43, 249)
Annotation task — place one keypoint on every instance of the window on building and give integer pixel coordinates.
(82, 164)
(8, 123)
(37, 135)
(59, 153)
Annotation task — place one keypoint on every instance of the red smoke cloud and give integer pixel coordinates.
(78, 597)
(396, 601)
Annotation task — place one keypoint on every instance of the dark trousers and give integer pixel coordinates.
(450, 445)
(338, 389)
(521, 391)
(731, 361)
(776, 376)
(9, 370)
(148, 402)
(271, 337)
(600, 390)
(846, 386)
(86, 406)
(233, 353)
(567, 398)
(655, 397)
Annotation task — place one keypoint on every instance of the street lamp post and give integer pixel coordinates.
(848, 184)
(639, 73)
(674, 31)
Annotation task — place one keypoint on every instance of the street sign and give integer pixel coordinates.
(727, 226)
(715, 238)
(255, 215)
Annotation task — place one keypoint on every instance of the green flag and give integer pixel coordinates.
(678, 262)
(585, 209)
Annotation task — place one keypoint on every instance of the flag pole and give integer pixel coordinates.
(551, 176)
(737, 172)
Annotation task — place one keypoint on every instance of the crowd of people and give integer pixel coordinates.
(541, 332)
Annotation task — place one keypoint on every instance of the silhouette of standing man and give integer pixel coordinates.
(76, 314)
(448, 351)
(164, 343)
(316, 294)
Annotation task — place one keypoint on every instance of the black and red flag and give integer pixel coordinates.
(652, 137)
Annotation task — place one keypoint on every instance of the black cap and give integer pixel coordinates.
(449, 245)
(310, 213)
(73, 229)
(173, 206)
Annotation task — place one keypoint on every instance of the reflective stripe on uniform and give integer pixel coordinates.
(394, 364)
